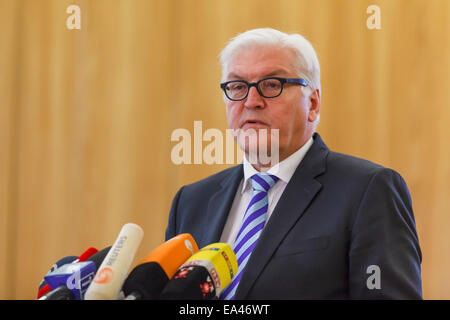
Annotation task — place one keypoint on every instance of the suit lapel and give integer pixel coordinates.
(299, 192)
(219, 206)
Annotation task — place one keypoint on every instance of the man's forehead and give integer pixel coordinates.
(264, 62)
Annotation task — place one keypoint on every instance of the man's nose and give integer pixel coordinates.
(254, 99)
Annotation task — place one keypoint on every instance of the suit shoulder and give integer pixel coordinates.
(352, 168)
(352, 165)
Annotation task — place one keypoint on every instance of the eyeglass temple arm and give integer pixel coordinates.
(300, 81)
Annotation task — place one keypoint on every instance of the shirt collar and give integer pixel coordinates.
(284, 170)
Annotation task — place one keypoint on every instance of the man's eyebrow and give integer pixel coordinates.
(270, 74)
(276, 73)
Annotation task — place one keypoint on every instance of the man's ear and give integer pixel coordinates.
(314, 105)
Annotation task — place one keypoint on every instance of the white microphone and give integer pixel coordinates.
(113, 271)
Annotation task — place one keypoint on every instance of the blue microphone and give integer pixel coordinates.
(75, 276)
(71, 281)
(58, 264)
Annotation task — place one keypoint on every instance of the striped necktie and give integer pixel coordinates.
(251, 228)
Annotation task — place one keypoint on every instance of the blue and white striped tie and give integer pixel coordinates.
(252, 226)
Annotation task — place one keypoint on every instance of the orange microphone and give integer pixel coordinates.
(148, 279)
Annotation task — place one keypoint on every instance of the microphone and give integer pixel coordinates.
(204, 275)
(44, 287)
(86, 255)
(99, 257)
(71, 281)
(148, 279)
(56, 265)
(73, 276)
(60, 293)
(112, 273)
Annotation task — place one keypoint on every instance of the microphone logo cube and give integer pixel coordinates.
(75, 276)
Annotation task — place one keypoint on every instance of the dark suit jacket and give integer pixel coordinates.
(338, 217)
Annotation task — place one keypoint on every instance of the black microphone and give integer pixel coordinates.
(99, 257)
(204, 275)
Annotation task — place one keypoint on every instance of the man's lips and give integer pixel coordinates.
(253, 123)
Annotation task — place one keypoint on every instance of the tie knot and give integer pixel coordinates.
(263, 181)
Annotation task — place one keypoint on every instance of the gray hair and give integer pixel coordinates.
(307, 64)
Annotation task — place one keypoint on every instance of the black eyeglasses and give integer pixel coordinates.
(272, 87)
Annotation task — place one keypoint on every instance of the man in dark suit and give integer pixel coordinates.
(335, 226)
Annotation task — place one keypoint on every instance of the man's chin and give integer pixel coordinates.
(261, 155)
(260, 146)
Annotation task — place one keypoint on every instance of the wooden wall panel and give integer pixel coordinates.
(86, 115)
(8, 86)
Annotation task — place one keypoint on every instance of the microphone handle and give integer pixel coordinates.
(60, 293)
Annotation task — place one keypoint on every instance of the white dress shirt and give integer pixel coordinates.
(284, 171)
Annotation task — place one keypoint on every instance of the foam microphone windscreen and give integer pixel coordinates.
(147, 280)
(204, 275)
(99, 257)
(112, 273)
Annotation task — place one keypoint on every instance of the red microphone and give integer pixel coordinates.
(86, 255)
